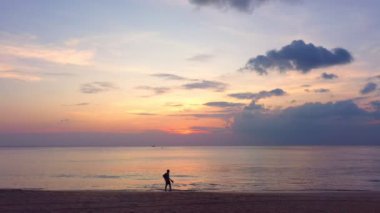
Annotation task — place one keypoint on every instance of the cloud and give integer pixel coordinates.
(207, 129)
(201, 57)
(341, 122)
(168, 76)
(155, 90)
(322, 90)
(213, 85)
(97, 87)
(223, 104)
(253, 106)
(18, 76)
(328, 76)
(239, 5)
(173, 104)
(223, 115)
(79, 104)
(374, 78)
(64, 121)
(376, 105)
(144, 114)
(59, 55)
(26, 73)
(298, 56)
(368, 88)
(107, 139)
(82, 104)
(259, 95)
(64, 74)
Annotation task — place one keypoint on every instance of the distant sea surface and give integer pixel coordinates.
(224, 169)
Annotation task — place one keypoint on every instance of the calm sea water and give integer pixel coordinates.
(243, 169)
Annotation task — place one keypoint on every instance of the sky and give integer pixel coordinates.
(189, 72)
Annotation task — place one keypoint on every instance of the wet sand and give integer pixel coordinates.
(122, 201)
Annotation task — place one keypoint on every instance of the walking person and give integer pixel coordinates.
(168, 181)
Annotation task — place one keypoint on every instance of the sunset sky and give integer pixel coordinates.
(182, 72)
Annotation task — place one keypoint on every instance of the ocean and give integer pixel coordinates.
(217, 169)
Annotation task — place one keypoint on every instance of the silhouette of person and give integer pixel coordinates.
(168, 181)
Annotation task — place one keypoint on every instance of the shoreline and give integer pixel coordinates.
(22, 200)
(196, 191)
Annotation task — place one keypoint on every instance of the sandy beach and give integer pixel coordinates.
(122, 201)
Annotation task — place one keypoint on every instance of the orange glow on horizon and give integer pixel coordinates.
(185, 131)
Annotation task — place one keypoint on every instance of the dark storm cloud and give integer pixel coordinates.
(259, 95)
(201, 57)
(240, 5)
(213, 85)
(168, 76)
(322, 90)
(341, 122)
(97, 87)
(298, 56)
(155, 90)
(223, 104)
(328, 76)
(368, 88)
